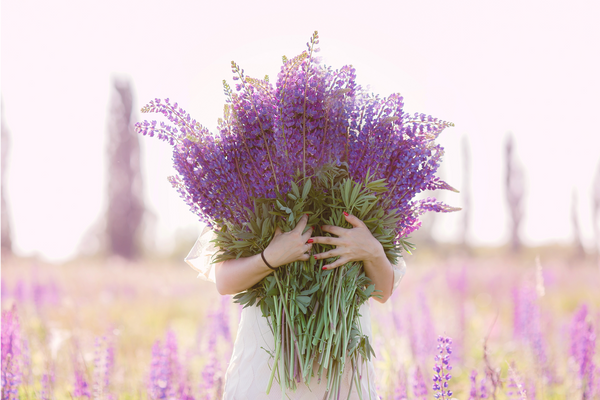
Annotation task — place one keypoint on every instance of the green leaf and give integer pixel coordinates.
(295, 189)
(354, 195)
(311, 290)
(306, 189)
(303, 299)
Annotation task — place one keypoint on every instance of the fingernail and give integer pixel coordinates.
(315, 257)
(309, 240)
(324, 268)
(346, 214)
(307, 216)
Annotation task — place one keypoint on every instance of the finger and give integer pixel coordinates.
(327, 254)
(301, 224)
(354, 221)
(304, 257)
(337, 263)
(333, 241)
(336, 230)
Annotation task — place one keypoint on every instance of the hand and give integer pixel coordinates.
(287, 247)
(355, 244)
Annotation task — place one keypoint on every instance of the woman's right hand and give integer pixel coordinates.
(287, 247)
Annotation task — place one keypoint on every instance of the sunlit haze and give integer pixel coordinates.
(530, 68)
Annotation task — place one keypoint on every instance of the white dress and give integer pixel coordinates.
(250, 365)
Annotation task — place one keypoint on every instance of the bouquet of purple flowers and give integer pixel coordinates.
(315, 143)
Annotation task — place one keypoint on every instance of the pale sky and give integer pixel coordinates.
(490, 67)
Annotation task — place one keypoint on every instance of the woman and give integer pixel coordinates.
(250, 365)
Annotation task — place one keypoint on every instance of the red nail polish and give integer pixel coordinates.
(315, 257)
(309, 240)
(324, 268)
(346, 214)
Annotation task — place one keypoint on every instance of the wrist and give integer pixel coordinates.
(266, 263)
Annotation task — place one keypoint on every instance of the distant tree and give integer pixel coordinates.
(515, 188)
(125, 200)
(596, 212)
(466, 194)
(6, 231)
(579, 250)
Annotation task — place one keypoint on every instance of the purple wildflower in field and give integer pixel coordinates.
(473, 393)
(582, 349)
(442, 369)
(11, 353)
(220, 323)
(419, 386)
(209, 381)
(516, 389)
(164, 375)
(47, 392)
(81, 386)
(528, 327)
(109, 360)
(401, 391)
(312, 116)
(103, 366)
(479, 390)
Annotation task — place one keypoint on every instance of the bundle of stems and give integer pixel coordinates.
(314, 314)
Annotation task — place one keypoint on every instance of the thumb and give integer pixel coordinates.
(278, 231)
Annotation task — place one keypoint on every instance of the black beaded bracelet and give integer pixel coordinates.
(268, 265)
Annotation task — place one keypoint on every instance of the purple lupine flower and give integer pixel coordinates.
(26, 361)
(313, 115)
(442, 369)
(109, 361)
(207, 385)
(220, 323)
(473, 393)
(164, 376)
(516, 390)
(47, 392)
(582, 349)
(103, 366)
(527, 327)
(81, 386)
(99, 370)
(479, 390)
(11, 353)
(401, 391)
(419, 386)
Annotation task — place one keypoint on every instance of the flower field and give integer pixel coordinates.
(112, 330)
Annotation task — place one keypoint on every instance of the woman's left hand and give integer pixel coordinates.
(355, 244)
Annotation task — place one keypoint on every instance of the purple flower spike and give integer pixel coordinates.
(11, 354)
(441, 368)
(311, 117)
(419, 386)
(583, 346)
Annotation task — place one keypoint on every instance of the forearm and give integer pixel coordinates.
(236, 275)
(381, 273)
